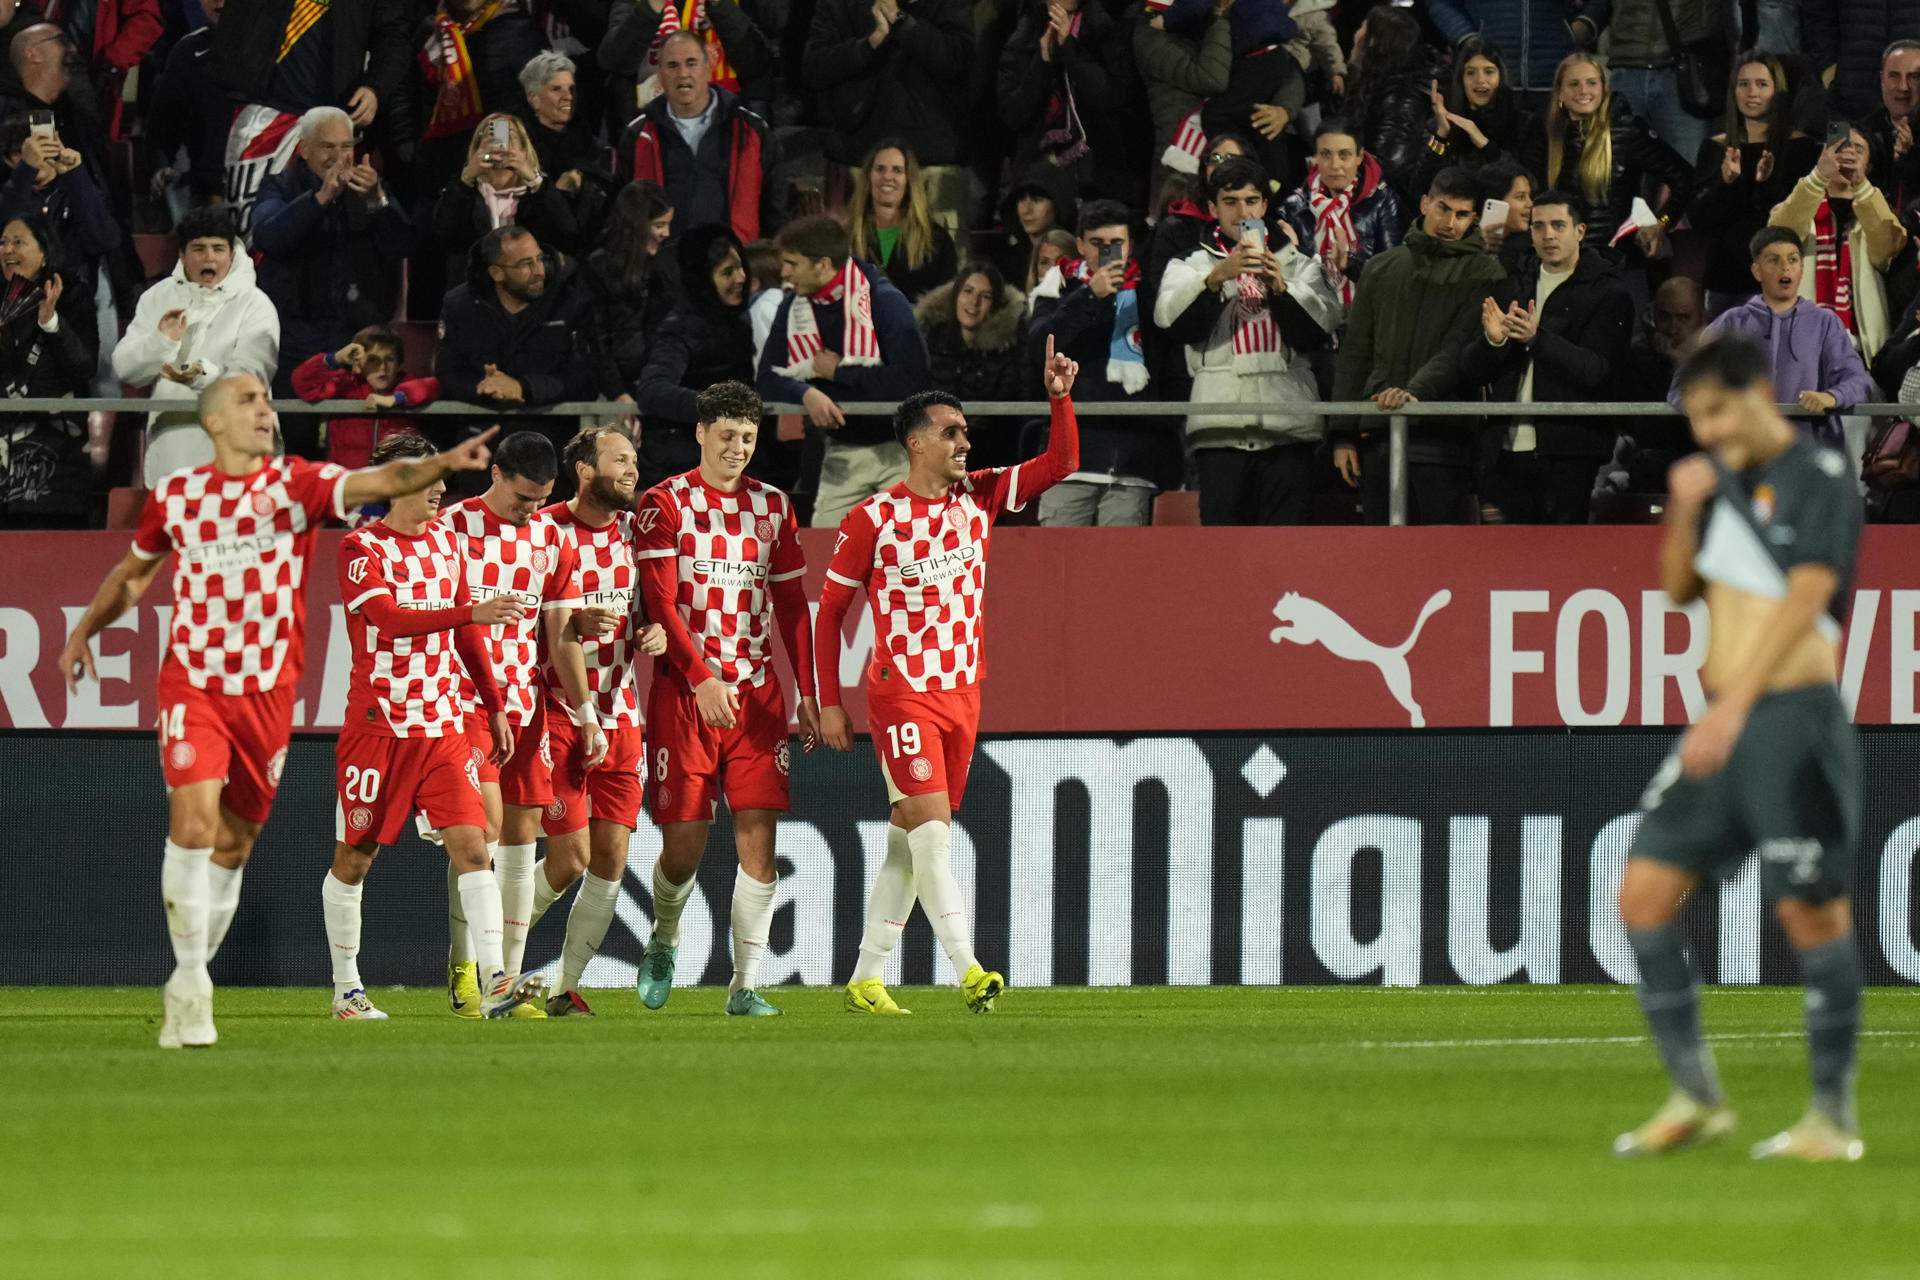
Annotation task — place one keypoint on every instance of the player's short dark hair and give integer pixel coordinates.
(1766, 237)
(1231, 175)
(734, 401)
(208, 222)
(1455, 182)
(1095, 214)
(1338, 125)
(818, 236)
(584, 449)
(1731, 360)
(1575, 206)
(916, 411)
(401, 444)
(527, 455)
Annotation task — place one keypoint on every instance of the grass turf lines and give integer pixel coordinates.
(1132, 1132)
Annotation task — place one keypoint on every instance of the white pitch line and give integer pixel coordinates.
(1522, 1042)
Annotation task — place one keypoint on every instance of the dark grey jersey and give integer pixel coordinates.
(1800, 508)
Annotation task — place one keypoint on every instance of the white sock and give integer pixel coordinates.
(513, 866)
(184, 891)
(888, 907)
(459, 937)
(940, 893)
(544, 894)
(669, 900)
(586, 927)
(480, 897)
(752, 920)
(223, 886)
(340, 904)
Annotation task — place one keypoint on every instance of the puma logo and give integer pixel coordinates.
(1305, 621)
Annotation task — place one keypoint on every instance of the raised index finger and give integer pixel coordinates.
(1049, 348)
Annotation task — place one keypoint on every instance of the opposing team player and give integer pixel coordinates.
(512, 549)
(243, 527)
(1763, 524)
(721, 569)
(412, 626)
(591, 818)
(920, 550)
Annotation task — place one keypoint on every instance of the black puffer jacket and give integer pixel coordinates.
(541, 345)
(1641, 163)
(1379, 219)
(1851, 35)
(1728, 213)
(995, 367)
(1097, 65)
(623, 323)
(913, 86)
(703, 341)
(45, 475)
(1399, 117)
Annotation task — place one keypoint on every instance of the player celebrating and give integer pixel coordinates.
(404, 741)
(721, 568)
(591, 818)
(920, 550)
(1763, 524)
(513, 549)
(244, 526)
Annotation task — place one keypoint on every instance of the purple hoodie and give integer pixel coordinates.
(1809, 350)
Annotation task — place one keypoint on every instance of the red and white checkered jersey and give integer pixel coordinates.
(923, 562)
(730, 548)
(405, 686)
(608, 579)
(532, 562)
(239, 585)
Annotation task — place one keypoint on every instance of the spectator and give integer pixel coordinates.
(1184, 54)
(1508, 182)
(1389, 94)
(1248, 314)
(510, 335)
(1813, 357)
(472, 52)
(43, 66)
(330, 242)
(46, 480)
(883, 68)
(1066, 76)
(206, 320)
(501, 185)
(845, 331)
(1592, 144)
(765, 292)
(48, 180)
(368, 368)
(632, 285)
(1346, 214)
(1536, 35)
(976, 330)
(889, 223)
(1476, 121)
(1642, 61)
(1317, 46)
(1851, 235)
(1040, 201)
(1743, 172)
(1559, 330)
(699, 142)
(1049, 251)
(1416, 306)
(1265, 93)
(707, 339)
(118, 35)
(563, 138)
(1671, 325)
(1889, 129)
(738, 44)
(1850, 37)
(1183, 224)
(189, 113)
(14, 18)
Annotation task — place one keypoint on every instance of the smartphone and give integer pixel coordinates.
(497, 131)
(40, 123)
(1254, 230)
(1838, 132)
(1494, 213)
(1112, 253)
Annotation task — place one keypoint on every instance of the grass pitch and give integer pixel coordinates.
(1144, 1132)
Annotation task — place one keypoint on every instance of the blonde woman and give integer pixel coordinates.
(501, 184)
(1591, 143)
(890, 224)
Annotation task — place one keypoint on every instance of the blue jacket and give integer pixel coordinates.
(903, 368)
(1533, 34)
(1809, 350)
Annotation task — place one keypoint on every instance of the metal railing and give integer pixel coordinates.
(597, 411)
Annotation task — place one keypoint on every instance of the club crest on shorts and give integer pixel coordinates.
(359, 818)
(782, 758)
(262, 505)
(919, 768)
(276, 766)
(763, 529)
(557, 810)
(181, 755)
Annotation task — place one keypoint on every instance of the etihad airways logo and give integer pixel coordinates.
(730, 573)
(941, 565)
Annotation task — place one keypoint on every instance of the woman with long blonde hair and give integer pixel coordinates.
(1593, 144)
(890, 224)
(501, 184)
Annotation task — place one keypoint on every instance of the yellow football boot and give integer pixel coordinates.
(980, 986)
(871, 997)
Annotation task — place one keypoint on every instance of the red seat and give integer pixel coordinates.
(419, 340)
(1177, 507)
(124, 506)
(157, 253)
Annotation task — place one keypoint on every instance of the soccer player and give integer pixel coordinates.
(591, 818)
(1763, 526)
(920, 550)
(243, 527)
(411, 624)
(513, 549)
(721, 568)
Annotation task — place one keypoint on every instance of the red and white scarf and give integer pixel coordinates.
(859, 343)
(1256, 338)
(1189, 145)
(694, 19)
(1832, 266)
(1332, 213)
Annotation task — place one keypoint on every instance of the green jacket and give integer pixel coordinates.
(1180, 72)
(1415, 307)
(1635, 35)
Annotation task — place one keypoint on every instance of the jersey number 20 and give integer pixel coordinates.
(363, 785)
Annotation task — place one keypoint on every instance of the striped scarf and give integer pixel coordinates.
(1189, 145)
(1256, 338)
(1832, 266)
(1332, 212)
(448, 67)
(299, 22)
(694, 18)
(859, 343)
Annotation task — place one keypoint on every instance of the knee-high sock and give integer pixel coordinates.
(544, 894)
(669, 900)
(940, 894)
(480, 897)
(185, 892)
(752, 919)
(587, 923)
(513, 866)
(1833, 1026)
(887, 907)
(459, 935)
(340, 904)
(223, 887)
(1671, 1003)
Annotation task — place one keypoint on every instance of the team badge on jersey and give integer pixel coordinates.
(277, 766)
(182, 755)
(539, 560)
(956, 517)
(262, 505)
(764, 530)
(919, 768)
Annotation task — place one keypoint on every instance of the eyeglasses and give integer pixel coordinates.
(1216, 157)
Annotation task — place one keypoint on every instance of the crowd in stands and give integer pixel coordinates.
(1252, 206)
